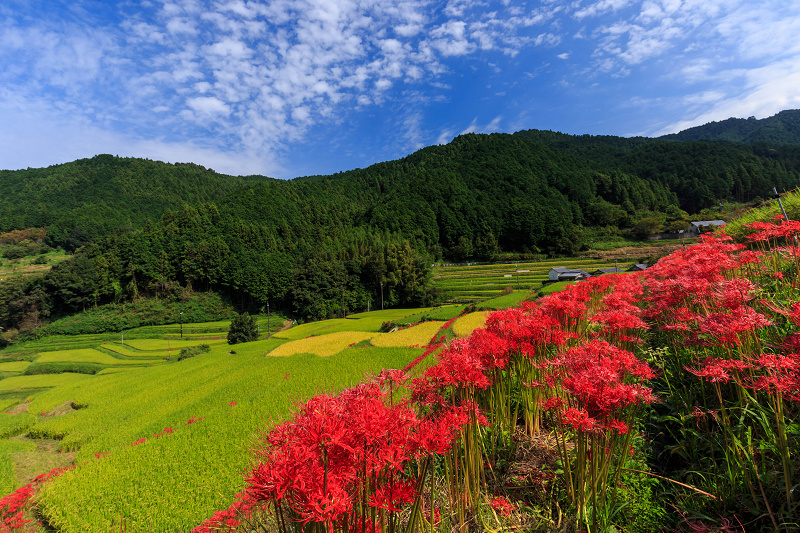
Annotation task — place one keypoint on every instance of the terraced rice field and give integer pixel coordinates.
(160, 444)
(465, 325)
(89, 355)
(474, 283)
(419, 335)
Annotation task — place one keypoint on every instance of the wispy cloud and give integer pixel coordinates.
(256, 74)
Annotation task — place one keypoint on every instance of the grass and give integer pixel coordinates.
(367, 322)
(89, 355)
(25, 266)
(163, 344)
(554, 287)
(119, 349)
(41, 381)
(387, 314)
(505, 301)
(171, 482)
(9, 449)
(11, 425)
(14, 366)
(443, 313)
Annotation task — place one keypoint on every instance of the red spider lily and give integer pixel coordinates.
(165, 431)
(12, 506)
(392, 496)
(579, 420)
(767, 232)
(502, 506)
(337, 447)
(617, 426)
(137, 442)
(228, 520)
(392, 376)
(713, 370)
(552, 403)
(460, 365)
(729, 327)
(598, 374)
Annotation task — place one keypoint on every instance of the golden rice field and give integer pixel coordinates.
(465, 325)
(419, 335)
(322, 345)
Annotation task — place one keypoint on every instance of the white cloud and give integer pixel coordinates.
(766, 91)
(39, 123)
(208, 105)
(491, 127)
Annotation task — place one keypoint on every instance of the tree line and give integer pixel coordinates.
(322, 246)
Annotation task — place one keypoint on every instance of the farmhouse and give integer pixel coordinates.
(567, 274)
(638, 267)
(703, 226)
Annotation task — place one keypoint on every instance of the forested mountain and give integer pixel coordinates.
(783, 128)
(80, 201)
(317, 246)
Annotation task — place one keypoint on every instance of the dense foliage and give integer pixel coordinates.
(88, 198)
(783, 128)
(244, 328)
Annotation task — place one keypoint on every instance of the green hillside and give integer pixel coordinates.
(80, 201)
(324, 246)
(782, 128)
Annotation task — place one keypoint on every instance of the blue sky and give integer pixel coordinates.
(287, 88)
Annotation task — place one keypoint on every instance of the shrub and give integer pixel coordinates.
(191, 351)
(244, 328)
(60, 368)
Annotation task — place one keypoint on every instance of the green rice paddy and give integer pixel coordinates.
(161, 444)
(475, 283)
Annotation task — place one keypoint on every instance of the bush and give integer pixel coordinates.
(244, 328)
(191, 351)
(60, 368)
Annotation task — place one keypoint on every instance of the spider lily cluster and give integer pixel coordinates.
(402, 453)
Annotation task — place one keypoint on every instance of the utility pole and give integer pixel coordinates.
(381, 296)
(268, 330)
(181, 324)
(780, 203)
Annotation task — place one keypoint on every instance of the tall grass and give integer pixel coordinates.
(172, 481)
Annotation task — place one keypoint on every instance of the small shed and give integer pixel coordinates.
(703, 226)
(567, 274)
(612, 270)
